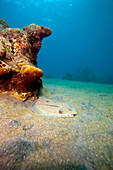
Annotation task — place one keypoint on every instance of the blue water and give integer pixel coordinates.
(82, 35)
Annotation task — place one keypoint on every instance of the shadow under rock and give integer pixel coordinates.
(55, 166)
(14, 151)
(13, 154)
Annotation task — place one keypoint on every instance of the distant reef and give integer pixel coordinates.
(19, 74)
(87, 75)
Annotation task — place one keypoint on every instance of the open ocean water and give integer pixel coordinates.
(81, 43)
(77, 61)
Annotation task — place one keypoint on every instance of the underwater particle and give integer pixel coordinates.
(47, 101)
(48, 19)
(74, 114)
(36, 4)
(70, 5)
(60, 111)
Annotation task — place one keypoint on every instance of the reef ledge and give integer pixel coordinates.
(19, 74)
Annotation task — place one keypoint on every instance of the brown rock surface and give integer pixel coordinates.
(19, 74)
(3, 24)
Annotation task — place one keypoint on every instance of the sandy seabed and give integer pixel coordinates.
(82, 141)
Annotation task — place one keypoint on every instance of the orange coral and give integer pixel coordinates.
(4, 71)
(32, 72)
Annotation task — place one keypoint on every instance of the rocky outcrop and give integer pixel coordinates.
(3, 24)
(19, 74)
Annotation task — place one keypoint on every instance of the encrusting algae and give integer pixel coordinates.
(18, 60)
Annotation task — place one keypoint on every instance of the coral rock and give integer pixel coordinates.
(19, 74)
(3, 24)
(2, 51)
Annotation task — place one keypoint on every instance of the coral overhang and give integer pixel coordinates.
(19, 74)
